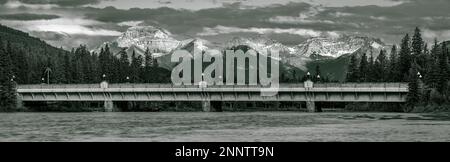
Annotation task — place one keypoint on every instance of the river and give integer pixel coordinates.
(223, 127)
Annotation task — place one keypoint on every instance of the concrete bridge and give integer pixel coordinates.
(213, 96)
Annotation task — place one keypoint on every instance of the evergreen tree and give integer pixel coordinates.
(136, 67)
(405, 58)
(58, 70)
(83, 65)
(116, 72)
(432, 69)
(434, 50)
(363, 68)
(394, 73)
(379, 69)
(95, 71)
(108, 66)
(148, 58)
(317, 76)
(413, 96)
(433, 77)
(155, 63)
(294, 76)
(425, 49)
(22, 69)
(124, 65)
(352, 70)
(371, 68)
(444, 70)
(102, 62)
(7, 85)
(426, 61)
(417, 43)
(67, 68)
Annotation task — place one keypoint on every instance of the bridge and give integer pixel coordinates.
(213, 96)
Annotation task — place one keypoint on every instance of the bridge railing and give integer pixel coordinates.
(180, 86)
(58, 86)
(361, 85)
(293, 85)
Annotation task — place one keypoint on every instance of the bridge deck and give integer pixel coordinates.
(348, 92)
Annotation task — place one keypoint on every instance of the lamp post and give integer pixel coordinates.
(13, 82)
(128, 79)
(419, 78)
(104, 83)
(48, 71)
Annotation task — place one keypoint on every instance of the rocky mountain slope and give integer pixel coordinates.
(162, 44)
(140, 38)
(336, 47)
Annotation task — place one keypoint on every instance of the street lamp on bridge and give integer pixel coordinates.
(48, 71)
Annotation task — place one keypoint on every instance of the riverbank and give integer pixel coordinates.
(224, 126)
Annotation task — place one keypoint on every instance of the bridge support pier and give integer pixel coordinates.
(311, 106)
(19, 102)
(109, 106)
(212, 106)
(206, 106)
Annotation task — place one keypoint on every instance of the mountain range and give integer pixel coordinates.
(311, 52)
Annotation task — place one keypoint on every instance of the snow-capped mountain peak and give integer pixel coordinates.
(161, 43)
(260, 44)
(336, 47)
(150, 37)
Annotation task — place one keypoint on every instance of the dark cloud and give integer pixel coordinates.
(57, 2)
(396, 20)
(180, 21)
(386, 22)
(28, 16)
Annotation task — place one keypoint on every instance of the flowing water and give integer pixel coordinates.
(222, 127)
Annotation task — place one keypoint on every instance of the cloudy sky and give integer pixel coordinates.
(68, 23)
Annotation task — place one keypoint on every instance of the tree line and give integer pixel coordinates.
(28, 60)
(81, 66)
(425, 70)
(76, 67)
